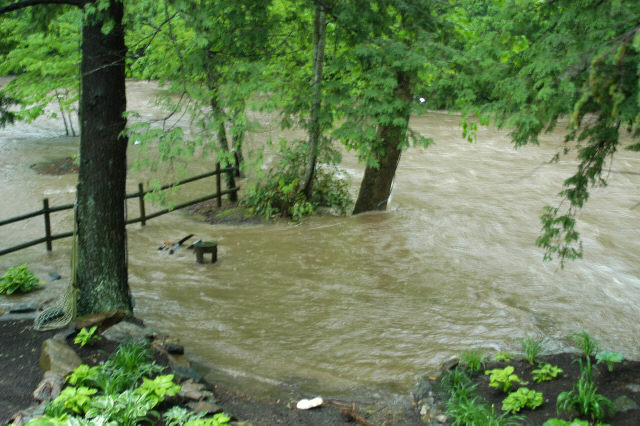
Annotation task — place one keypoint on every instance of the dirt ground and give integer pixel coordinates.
(624, 379)
(20, 374)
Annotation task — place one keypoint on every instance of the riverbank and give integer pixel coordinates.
(21, 371)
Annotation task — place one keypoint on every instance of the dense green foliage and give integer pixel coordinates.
(44, 55)
(125, 390)
(19, 280)
(584, 397)
(528, 65)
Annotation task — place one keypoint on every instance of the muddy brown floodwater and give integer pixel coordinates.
(358, 307)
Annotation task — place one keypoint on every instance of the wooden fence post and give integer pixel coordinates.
(218, 186)
(141, 199)
(47, 223)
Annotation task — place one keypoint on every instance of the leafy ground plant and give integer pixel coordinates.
(546, 373)
(503, 356)
(87, 337)
(609, 358)
(19, 280)
(584, 397)
(523, 397)
(503, 378)
(466, 408)
(533, 347)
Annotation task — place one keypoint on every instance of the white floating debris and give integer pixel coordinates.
(305, 404)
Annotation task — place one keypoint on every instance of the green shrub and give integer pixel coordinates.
(19, 279)
(277, 193)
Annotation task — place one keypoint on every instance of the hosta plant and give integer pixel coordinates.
(546, 372)
(522, 398)
(503, 378)
(609, 358)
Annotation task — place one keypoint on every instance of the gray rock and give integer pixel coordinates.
(186, 373)
(126, 331)
(58, 357)
(450, 364)
(192, 391)
(54, 276)
(424, 389)
(18, 317)
(624, 403)
(633, 387)
(49, 388)
(24, 308)
(204, 407)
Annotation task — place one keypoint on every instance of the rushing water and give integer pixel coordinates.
(358, 307)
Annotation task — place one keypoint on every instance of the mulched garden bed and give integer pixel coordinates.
(623, 381)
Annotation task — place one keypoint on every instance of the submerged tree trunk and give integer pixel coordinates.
(102, 254)
(375, 188)
(223, 144)
(319, 32)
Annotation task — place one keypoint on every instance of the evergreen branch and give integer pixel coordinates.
(28, 3)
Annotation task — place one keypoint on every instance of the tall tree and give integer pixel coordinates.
(319, 41)
(392, 49)
(102, 257)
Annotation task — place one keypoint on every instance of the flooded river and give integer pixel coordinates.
(359, 307)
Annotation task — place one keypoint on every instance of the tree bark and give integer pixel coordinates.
(223, 143)
(102, 255)
(375, 188)
(319, 33)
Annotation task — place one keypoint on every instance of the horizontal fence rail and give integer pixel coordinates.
(47, 210)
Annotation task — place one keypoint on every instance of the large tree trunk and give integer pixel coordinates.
(375, 188)
(102, 254)
(319, 32)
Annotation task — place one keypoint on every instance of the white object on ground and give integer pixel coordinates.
(305, 404)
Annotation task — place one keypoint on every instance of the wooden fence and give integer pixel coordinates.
(47, 210)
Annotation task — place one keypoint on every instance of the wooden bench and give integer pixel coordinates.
(206, 247)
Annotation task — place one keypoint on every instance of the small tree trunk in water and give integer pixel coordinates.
(224, 146)
(102, 256)
(375, 188)
(319, 32)
(236, 142)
